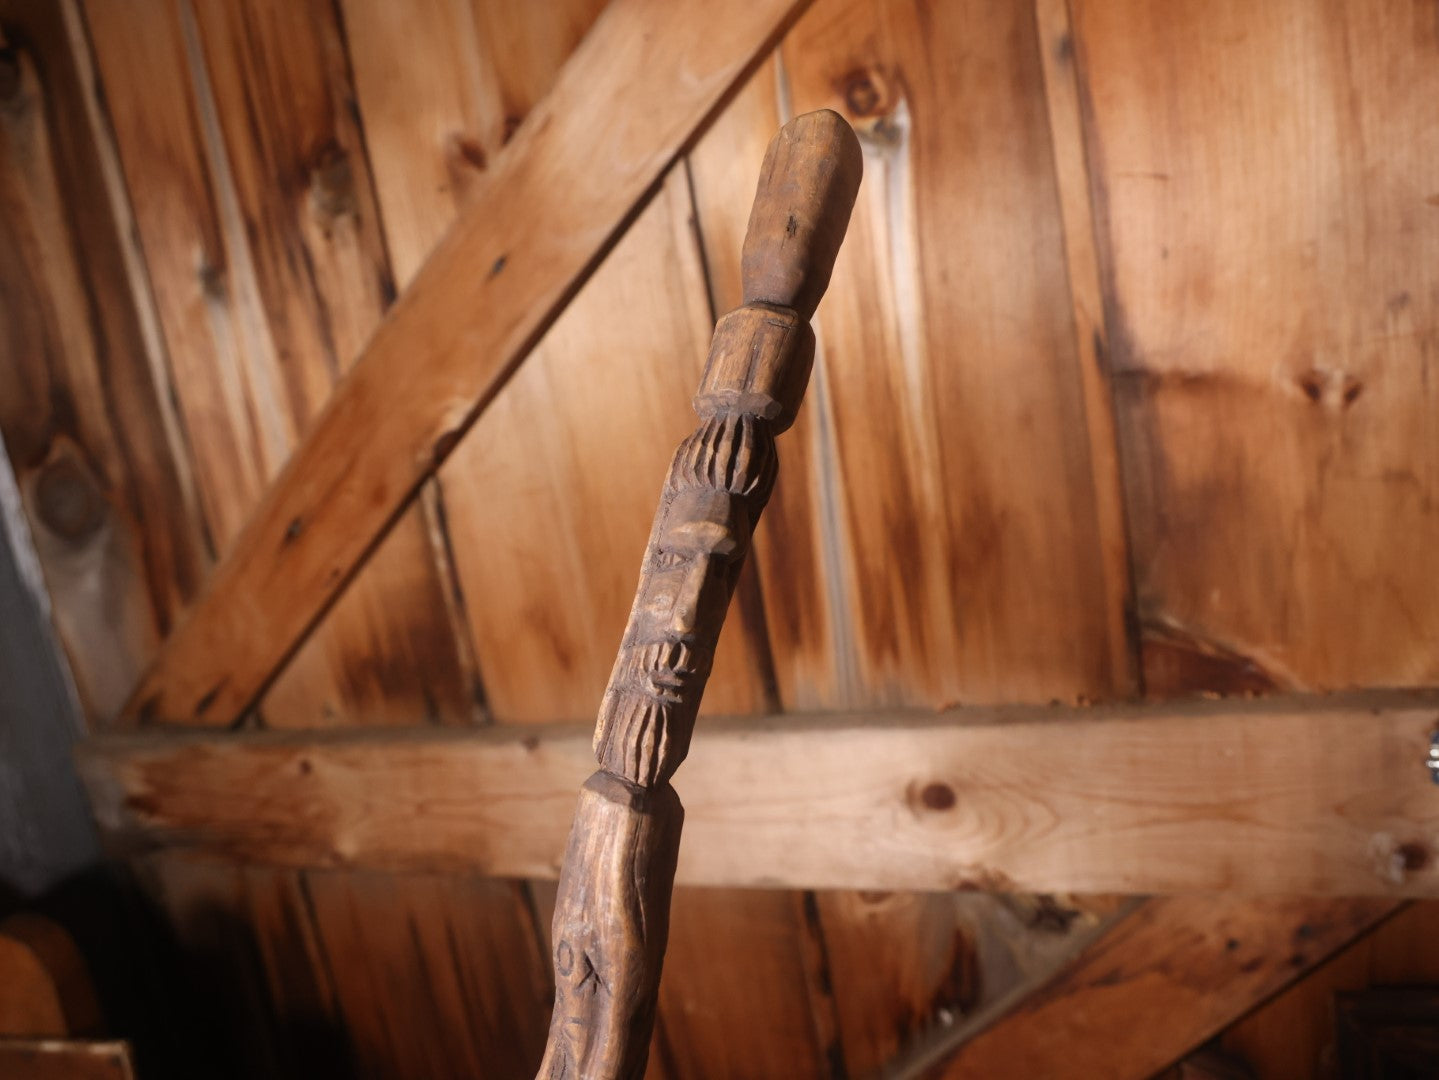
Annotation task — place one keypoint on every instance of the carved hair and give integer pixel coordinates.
(731, 452)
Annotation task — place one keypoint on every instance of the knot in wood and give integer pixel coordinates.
(332, 180)
(68, 501)
(866, 93)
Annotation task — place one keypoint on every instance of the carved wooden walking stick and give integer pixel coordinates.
(612, 913)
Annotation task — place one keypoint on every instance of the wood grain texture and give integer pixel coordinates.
(1166, 980)
(457, 988)
(482, 69)
(563, 424)
(359, 975)
(729, 946)
(1328, 796)
(1292, 1037)
(437, 112)
(611, 915)
(1264, 178)
(104, 486)
(898, 510)
(948, 333)
(561, 471)
(283, 100)
(610, 926)
(1063, 94)
(392, 425)
(909, 970)
(552, 492)
(253, 213)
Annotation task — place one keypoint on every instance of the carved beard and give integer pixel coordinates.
(650, 710)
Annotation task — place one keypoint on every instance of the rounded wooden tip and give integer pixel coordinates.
(807, 188)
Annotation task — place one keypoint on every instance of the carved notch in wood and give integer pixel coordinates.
(612, 911)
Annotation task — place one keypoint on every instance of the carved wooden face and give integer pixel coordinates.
(688, 574)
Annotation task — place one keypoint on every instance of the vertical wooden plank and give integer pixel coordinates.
(284, 106)
(1055, 44)
(1265, 180)
(949, 526)
(552, 493)
(311, 1036)
(536, 489)
(143, 71)
(905, 964)
(951, 506)
(436, 112)
(735, 1000)
(291, 966)
(254, 212)
(441, 995)
(104, 485)
(431, 116)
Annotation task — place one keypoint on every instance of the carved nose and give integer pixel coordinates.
(684, 615)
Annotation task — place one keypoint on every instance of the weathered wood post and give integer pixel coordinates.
(612, 913)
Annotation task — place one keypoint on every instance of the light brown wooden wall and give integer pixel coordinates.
(1122, 389)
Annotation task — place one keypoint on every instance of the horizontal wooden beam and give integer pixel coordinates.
(1326, 796)
(644, 80)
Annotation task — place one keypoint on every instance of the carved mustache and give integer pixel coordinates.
(662, 670)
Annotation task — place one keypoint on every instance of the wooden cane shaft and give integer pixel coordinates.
(612, 910)
(611, 920)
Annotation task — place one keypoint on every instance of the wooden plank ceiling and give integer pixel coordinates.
(1121, 390)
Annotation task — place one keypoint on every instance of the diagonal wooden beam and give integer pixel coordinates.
(644, 81)
(1324, 796)
(1166, 979)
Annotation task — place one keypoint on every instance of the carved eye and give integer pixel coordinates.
(668, 560)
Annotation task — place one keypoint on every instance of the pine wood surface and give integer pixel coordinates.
(426, 373)
(1267, 518)
(278, 199)
(1162, 982)
(862, 591)
(611, 918)
(561, 471)
(1319, 796)
(354, 974)
(1263, 179)
(435, 118)
(531, 519)
(254, 160)
(107, 497)
(1292, 1036)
